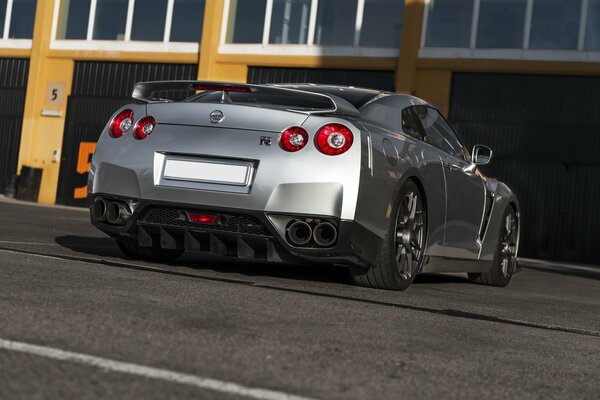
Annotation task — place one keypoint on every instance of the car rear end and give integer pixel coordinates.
(250, 180)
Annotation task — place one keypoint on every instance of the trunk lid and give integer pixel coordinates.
(224, 115)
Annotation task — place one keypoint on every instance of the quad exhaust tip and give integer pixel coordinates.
(99, 210)
(325, 234)
(300, 233)
(117, 213)
(111, 212)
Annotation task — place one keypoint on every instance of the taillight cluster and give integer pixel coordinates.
(331, 139)
(293, 139)
(123, 122)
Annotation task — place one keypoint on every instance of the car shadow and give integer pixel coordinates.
(90, 245)
(326, 273)
(106, 247)
(439, 279)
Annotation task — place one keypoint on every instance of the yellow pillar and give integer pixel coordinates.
(406, 73)
(48, 86)
(211, 35)
(210, 66)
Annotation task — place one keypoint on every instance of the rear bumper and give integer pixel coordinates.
(247, 235)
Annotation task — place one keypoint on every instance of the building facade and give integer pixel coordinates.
(520, 75)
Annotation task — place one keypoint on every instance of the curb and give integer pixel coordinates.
(541, 264)
(8, 200)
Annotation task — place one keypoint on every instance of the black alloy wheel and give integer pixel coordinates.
(505, 259)
(402, 254)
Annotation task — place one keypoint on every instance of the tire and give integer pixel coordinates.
(505, 257)
(401, 255)
(133, 250)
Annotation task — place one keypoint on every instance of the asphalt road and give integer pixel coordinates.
(214, 330)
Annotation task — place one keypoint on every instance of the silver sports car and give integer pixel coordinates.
(373, 180)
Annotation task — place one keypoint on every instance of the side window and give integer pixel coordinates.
(410, 123)
(438, 132)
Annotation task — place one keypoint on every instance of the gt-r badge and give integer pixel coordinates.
(266, 140)
(216, 116)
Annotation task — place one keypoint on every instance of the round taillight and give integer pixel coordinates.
(144, 128)
(334, 139)
(293, 139)
(121, 123)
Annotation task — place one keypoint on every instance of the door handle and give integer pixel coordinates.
(469, 169)
(450, 166)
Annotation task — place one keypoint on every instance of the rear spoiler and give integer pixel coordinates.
(144, 91)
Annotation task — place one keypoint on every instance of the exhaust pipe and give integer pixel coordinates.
(299, 233)
(325, 234)
(99, 210)
(117, 213)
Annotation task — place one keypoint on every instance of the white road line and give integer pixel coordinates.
(31, 243)
(149, 372)
(56, 244)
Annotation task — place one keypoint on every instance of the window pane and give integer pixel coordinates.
(22, 18)
(382, 23)
(149, 20)
(437, 131)
(555, 24)
(592, 36)
(501, 24)
(2, 15)
(449, 23)
(111, 17)
(246, 21)
(289, 21)
(74, 19)
(188, 16)
(410, 126)
(336, 20)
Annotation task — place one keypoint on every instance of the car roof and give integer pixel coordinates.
(357, 96)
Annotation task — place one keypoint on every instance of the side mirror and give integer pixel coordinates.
(481, 154)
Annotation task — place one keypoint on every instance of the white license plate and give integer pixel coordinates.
(202, 171)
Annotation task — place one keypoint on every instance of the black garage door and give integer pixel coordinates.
(545, 133)
(13, 85)
(382, 80)
(99, 89)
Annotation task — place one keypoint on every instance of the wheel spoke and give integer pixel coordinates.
(399, 251)
(412, 207)
(414, 245)
(508, 226)
(505, 266)
(408, 270)
(410, 223)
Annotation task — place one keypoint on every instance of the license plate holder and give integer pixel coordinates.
(210, 171)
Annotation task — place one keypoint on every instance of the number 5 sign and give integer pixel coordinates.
(55, 94)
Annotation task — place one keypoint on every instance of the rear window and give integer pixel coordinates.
(357, 98)
(272, 100)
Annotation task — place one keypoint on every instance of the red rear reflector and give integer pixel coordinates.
(223, 88)
(206, 219)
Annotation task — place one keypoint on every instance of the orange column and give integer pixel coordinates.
(406, 73)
